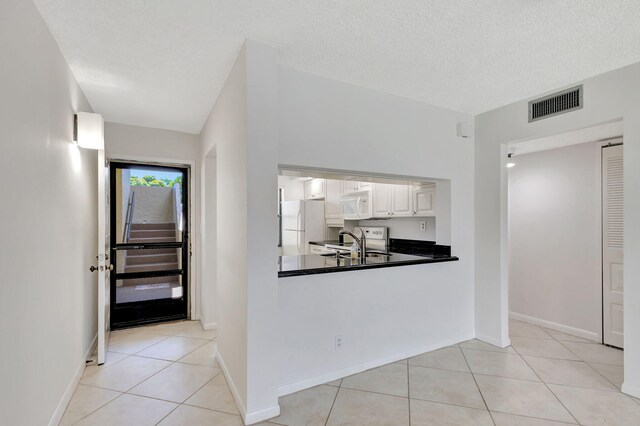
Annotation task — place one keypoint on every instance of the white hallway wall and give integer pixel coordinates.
(224, 135)
(241, 132)
(128, 142)
(608, 97)
(331, 125)
(48, 217)
(555, 259)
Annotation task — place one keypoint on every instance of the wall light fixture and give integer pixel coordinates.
(88, 130)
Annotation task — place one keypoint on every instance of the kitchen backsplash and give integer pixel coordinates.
(407, 227)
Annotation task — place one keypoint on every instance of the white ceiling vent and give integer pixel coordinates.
(558, 103)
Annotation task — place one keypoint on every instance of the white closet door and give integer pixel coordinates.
(612, 245)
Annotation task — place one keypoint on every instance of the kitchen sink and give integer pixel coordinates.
(374, 255)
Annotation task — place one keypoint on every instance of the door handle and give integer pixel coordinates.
(101, 268)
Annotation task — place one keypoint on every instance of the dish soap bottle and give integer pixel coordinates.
(354, 251)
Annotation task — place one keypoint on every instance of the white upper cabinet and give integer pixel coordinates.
(363, 186)
(424, 200)
(401, 200)
(332, 205)
(349, 186)
(354, 186)
(381, 200)
(314, 189)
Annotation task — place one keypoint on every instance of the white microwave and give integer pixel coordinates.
(356, 205)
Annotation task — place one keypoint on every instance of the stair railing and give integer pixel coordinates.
(126, 233)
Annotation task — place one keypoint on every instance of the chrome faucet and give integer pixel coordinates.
(362, 241)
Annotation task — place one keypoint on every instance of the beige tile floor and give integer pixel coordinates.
(167, 375)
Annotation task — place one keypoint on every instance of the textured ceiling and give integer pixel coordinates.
(161, 63)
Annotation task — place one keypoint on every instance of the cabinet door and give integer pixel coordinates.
(363, 186)
(424, 201)
(313, 189)
(308, 189)
(381, 200)
(349, 186)
(318, 188)
(401, 200)
(332, 207)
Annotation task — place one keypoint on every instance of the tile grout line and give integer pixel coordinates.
(166, 400)
(159, 371)
(589, 365)
(534, 418)
(333, 403)
(104, 366)
(171, 363)
(408, 389)
(605, 377)
(477, 386)
(547, 386)
(88, 414)
(168, 414)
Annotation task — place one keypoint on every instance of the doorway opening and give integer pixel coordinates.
(149, 243)
(565, 228)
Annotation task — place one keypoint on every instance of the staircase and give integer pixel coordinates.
(152, 259)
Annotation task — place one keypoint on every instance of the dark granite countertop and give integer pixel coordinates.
(290, 266)
(331, 242)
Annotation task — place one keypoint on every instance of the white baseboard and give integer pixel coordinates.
(208, 325)
(254, 416)
(71, 387)
(585, 334)
(232, 386)
(493, 341)
(631, 390)
(262, 415)
(335, 375)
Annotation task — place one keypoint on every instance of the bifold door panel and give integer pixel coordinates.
(612, 245)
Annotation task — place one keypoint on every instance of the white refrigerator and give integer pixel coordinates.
(302, 221)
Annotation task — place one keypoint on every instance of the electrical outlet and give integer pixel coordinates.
(423, 226)
(339, 342)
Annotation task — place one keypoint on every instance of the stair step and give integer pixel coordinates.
(151, 267)
(146, 252)
(153, 280)
(140, 226)
(149, 233)
(152, 258)
(153, 240)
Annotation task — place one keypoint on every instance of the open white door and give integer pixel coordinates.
(612, 245)
(104, 267)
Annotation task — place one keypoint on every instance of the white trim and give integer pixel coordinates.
(71, 387)
(208, 325)
(262, 415)
(232, 386)
(631, 390)
(248, 418)
(493, 341)
(589, 335)
(334, 375)
(194, 274)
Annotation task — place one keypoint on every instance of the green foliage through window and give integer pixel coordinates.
(154, 181)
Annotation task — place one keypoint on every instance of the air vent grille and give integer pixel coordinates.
(558, 103)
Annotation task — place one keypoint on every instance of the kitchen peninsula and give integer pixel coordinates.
(400, 253)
